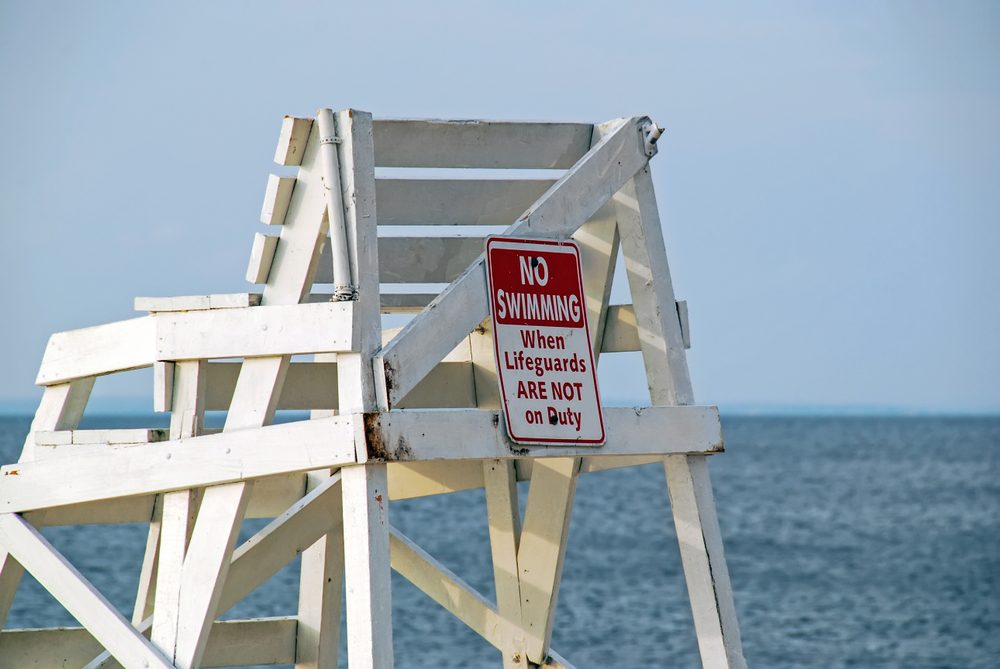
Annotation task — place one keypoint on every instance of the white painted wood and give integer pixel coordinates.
(205, 567)
(461, 434)
(682, 314)
(421, 479)
(620, 333)
(292, 140)
(447, 589)
(197, 302)
(456, 201)
(277, 195)
(102, 349)
(557, 214)
(119, 436)
(233, 643)
(705, 571)
(367, 567)
(652, 291)
(319, 512)
(542, 548)
(417, 259)
(163, 386)
(504, 518)
(75, 593)
(261, 256)
(308, 385)
(146, 591)
(179, 464)
(179, 508)
(662, 342)
(254, 331)
(479, 144)
(321, 579)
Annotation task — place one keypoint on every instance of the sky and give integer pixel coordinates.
(829, 181)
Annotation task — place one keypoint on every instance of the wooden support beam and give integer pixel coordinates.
(456, 201)
(464, 434)
(479, 144)
(542, 549)
(232, 643)
(367, 566)
(197, 302)
(463, 305)
(179, 464)
(194, 335)
(663, 346)
(74, 592)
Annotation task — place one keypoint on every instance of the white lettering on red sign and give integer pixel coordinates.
(545, 363)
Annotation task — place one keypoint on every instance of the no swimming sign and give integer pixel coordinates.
(545, 363)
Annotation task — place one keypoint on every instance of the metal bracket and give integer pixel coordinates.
(651, 134)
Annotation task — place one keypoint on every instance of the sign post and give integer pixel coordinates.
(545, 363)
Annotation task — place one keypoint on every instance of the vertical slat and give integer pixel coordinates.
(178, 509)
(367, 566)
(145, 593)
(365, 487)
(504, 517)
(543, 546)
(321, 582)
(690, 486)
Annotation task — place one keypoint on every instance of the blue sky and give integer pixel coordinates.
(829, 182)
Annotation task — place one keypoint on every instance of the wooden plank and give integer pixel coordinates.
(276, 544)
(416, 259)
(462, 434)
(479, 144)
(121, 436)
(75, 593)
(292, 140)
(179, 464)
(254, 331)
(146, 591)
(163, 386)
(276, 198)
(662, 341)
(456, 201)
(367, 566)
(620, 333)
(261, 256)
(102, 349)
(421, 479)
(232, 643)
(504, 518)
(206, 565)
(321, 581)
(178, 508)
(402, 303)
(197, 302)
(542, 548)
(463, 305)
(447, 589)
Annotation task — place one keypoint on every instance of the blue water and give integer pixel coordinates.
(851, 542)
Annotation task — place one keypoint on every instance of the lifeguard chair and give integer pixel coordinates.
(395, 413)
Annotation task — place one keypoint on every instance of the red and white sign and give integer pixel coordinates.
(548, 380)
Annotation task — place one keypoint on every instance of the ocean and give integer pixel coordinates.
(851, 542)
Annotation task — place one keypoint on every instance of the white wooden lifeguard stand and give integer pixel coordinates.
(395, 414)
